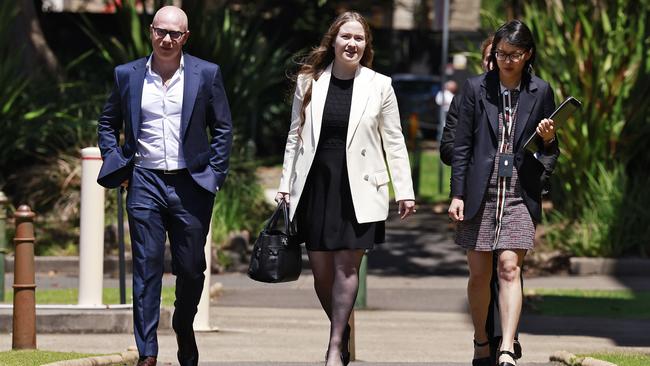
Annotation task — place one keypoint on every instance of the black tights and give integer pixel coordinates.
(336, 280)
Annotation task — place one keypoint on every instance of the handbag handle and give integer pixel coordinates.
(281, 208)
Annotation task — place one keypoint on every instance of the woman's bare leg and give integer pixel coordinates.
(510, 297)
(478, 295)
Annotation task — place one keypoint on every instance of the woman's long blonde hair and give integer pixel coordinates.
(320, 57)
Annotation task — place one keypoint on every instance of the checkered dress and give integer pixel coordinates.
(503, 220)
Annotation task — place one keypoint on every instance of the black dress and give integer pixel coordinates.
(325, 215)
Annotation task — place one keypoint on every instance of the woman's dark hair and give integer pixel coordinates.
(516, 33)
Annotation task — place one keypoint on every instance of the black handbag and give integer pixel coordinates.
(276, 258)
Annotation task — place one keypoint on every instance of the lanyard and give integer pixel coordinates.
(508, 120)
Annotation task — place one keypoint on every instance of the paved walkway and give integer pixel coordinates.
(417, 313)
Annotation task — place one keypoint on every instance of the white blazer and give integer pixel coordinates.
(374, 129)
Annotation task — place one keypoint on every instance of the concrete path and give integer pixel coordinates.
(262, 334)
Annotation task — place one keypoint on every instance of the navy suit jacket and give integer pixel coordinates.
(475, 145)
(205, 108)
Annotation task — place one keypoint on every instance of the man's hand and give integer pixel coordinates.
(406, 208)
(125, 184)
(456, 209)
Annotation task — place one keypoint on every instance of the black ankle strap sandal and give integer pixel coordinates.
(517, 349)
(485, 361)
(509, 354)
(516, 346)
(483, 344)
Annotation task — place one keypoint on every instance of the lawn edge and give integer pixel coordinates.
(129, 357)
(570, 359)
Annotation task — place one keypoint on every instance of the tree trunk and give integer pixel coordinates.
(30, 35)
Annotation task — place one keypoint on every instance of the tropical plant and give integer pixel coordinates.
(612, 223)
(599, 52)
(253, 68)
(240, 203)
(14, 103)
(133, 41)
(40, 115)
(595, 52)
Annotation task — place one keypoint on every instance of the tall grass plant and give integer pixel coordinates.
(598, 52)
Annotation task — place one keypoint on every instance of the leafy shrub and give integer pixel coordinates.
(598, 52)
(240, 203)
(594, 52)
(614, 220)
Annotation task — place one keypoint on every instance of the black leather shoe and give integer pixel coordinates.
(147, 361)
(507, 363)
(484, 361)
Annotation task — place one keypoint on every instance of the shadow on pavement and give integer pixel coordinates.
(421, 245)
(623, 332)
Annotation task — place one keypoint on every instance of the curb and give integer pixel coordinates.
(584, 266)
(79, 321)
(570, 359)
(130, 357)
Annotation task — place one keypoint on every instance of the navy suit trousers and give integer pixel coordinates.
(175, 205)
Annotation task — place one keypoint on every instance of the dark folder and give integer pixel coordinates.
(559, 117)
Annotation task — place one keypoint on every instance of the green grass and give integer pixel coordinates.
(622, 359)
(429, 177)
(37, 357)
(71, 296)
(591, 303)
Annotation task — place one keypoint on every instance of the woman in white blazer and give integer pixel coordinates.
(345, 129)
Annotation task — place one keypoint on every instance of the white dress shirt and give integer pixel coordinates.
(159, 141)
(503, 88)
(443, 99)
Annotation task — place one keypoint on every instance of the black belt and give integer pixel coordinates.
(168, 172)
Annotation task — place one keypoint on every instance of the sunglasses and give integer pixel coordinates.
(162, 33)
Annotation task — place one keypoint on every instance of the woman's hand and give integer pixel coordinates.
(406, 208)
(456, 208)
(282, 195)
(546, 130)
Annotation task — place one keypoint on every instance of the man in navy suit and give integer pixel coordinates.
(165, 104)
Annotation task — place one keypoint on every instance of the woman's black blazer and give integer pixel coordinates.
(475, 146)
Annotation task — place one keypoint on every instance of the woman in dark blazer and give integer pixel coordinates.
(496, 184)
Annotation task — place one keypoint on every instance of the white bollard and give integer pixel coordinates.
(91, 240)
(202, 318)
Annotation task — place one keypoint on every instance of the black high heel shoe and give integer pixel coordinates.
(517, 349)
(484, 361)
(516, 346)
(507, 363)
(345, 346)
